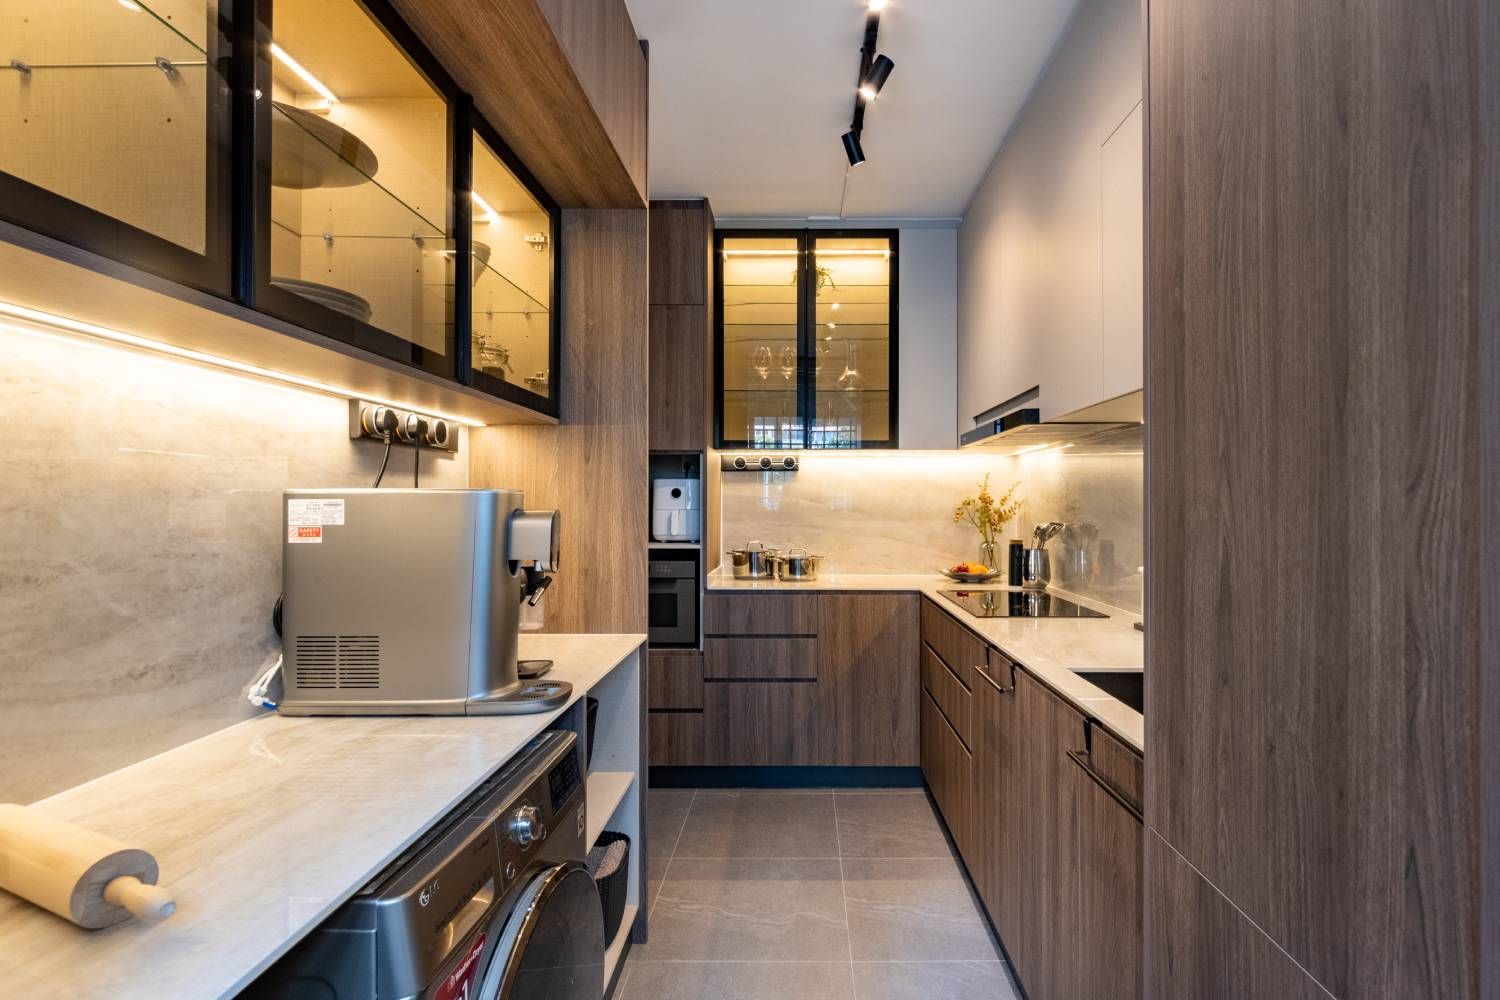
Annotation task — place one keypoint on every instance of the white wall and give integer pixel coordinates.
(927, 273)
(1029, 249)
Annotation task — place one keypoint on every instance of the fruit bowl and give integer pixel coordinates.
(965, 573)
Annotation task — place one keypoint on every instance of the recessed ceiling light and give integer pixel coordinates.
(876, 6)
(306, 77)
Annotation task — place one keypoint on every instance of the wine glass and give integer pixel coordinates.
(850, 379)
(788, 362)
(761, 361)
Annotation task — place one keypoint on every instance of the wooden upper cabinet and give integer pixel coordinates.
(682, 234)
(562, 81)
(681, 239)
(867, 657)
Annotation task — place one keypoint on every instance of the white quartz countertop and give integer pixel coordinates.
(262, 830)
(1051, 649)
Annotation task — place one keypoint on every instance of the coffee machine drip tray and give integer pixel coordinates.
(531, 697)
(1018, 604)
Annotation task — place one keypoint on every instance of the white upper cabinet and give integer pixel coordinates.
(1122, 258)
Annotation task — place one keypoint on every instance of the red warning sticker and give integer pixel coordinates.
(304, 533)
(459, 984)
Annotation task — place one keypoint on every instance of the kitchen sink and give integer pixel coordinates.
(1126, 685)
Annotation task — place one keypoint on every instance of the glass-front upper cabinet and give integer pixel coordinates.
(354, 148)
(513, 331)
(115, 130)
(806, 339)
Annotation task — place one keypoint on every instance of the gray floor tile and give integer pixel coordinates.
(759, 824)
(666, 810)
(749, 910)
(737, 981)
(916, 911)
(889, 825)
(930, 980)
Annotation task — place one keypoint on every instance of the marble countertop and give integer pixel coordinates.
(263, 829)
(1050, 649)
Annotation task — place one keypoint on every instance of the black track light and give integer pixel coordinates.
(852, 148)
(880, 71)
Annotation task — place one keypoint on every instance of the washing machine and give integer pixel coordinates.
(496, 905)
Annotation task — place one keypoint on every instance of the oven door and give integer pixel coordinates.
(552, 944)
(672, 611)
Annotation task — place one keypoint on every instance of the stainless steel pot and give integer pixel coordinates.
(799, 564)
(753, 562)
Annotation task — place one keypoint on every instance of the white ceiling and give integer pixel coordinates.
(749, 98)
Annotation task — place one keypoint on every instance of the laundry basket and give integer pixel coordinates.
(609, 864)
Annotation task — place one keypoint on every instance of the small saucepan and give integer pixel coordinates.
(799, 564)
(753, 562)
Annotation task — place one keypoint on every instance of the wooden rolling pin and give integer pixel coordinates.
(77, 874)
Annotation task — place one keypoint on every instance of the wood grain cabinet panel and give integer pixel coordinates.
(1198, 944)
(765, 723)
(760, 614)
(952, 698)
(1043, 945)
(750, 658)
(1323, 287)
(681, 244)
(949, 770)
(679, 392)
(674, 679)
(1102, 883)
(963, 651)
(676, 738)
(1119, 765)
(1001, 855)
(867, 658)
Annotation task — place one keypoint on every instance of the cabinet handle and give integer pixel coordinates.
(1082, 762)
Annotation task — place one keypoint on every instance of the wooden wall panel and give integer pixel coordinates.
(1320, 278)
(540, 87)
(593, 466)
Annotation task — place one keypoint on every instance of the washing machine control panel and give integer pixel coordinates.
(563, 780)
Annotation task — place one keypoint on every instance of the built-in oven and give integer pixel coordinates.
(673, 611)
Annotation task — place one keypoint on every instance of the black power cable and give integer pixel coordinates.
(384, 461)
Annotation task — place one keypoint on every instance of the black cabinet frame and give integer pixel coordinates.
(236, 264)
(807, 322)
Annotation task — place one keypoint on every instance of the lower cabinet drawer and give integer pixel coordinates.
(949, 770)
(760, 659)
(766, 723)
(953, 699)
(955, 645)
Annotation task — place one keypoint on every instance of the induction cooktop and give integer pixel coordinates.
(1018, 604)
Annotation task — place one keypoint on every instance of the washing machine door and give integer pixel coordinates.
(552, 947)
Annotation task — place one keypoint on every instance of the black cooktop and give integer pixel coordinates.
(1018, 604)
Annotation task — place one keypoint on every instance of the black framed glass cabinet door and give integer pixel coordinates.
(355, 221)
(806, 345)
(115, 130)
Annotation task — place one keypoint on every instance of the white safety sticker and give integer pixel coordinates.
(302, 513)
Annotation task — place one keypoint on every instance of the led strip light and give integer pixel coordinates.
(119, 337)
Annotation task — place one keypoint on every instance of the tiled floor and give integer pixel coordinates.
(812, 895)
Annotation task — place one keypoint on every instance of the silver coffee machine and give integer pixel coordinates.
(408, 602)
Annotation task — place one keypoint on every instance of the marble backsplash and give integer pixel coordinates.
(893, 512)
(140, 554)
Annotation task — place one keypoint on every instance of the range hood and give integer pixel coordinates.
(1022, 429)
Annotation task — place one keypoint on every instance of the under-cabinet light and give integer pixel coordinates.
(852, 253)
(487, 214)
(123, 339)
(760, 253)
(307, 78)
